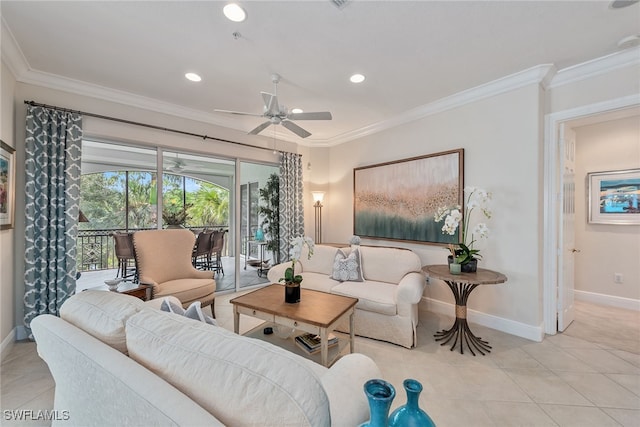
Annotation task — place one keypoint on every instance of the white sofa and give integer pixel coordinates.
(119, 361)
(388, 298)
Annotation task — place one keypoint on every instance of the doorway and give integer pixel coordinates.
(557, 293)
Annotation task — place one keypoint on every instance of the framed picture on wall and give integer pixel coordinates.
(614, 197)
(7, 185)
(398, 200)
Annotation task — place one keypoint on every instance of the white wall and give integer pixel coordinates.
(501, 136)
(606, 249)
(7, 256)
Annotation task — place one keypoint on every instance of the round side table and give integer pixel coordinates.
(461, 285)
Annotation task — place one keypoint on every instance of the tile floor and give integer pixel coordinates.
(587, 376)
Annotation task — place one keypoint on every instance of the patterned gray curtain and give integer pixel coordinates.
(52, 163)
(291, 202)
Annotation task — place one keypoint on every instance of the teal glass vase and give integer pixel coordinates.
(380, 395)
(410, 415)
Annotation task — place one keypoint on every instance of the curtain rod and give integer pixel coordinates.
(146, 125)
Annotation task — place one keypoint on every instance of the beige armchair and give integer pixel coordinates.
(163, 258)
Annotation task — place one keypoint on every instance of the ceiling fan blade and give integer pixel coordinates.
(295, 129)
(271, 104)
(237, 113)
(260, 128)
(318, 115)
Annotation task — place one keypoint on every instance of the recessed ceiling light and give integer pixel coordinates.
(193, 77)
(357, 78)
(234, 12)
(297, 111)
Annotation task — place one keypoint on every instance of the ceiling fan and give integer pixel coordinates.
(277, 114)
(177, 166)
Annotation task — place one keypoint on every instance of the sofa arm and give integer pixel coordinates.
(201, 274)
(149, 282)
(410, 288)
(344, 383)
(277, 271)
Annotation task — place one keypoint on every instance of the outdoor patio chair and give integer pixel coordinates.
(200, 257)
(125, 254)
(164, 262)
(215, 254)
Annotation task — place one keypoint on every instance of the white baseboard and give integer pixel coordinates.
(18, 333)
(608, 300)
(7, 343)
(534, 333)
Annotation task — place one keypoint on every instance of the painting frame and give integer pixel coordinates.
(397, 200)
(614, 197)
(7, 186)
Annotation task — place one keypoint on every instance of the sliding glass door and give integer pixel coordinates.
(126, 189)
(257, 233)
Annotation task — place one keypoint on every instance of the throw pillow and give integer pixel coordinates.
(194, 311)
(347, 267)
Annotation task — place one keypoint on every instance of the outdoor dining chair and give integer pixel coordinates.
(125, 254)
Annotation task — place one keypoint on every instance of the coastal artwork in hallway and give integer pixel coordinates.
(398, 200)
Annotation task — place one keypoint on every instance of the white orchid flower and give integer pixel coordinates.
(481, 230)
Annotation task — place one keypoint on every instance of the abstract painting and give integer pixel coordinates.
(398, 200)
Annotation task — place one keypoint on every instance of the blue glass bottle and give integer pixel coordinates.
(380, 395)
(411, 415)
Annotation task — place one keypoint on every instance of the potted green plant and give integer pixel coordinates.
(464, 253)
(292, 280)
(175, 216)
(269, 214)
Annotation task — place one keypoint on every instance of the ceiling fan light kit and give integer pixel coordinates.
(280, 115)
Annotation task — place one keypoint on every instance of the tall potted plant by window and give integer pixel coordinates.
(269, 213)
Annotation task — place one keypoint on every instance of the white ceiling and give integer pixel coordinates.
(412, 53)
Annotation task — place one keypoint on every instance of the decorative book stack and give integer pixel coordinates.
(311, 342)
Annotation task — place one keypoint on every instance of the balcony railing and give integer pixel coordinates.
(96, 248)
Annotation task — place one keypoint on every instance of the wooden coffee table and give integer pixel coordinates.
(317, 312)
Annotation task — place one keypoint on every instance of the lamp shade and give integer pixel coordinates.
(318, 196)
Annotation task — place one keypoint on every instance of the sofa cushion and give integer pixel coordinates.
(347, 267)
(388, 264)
(321, 261)
(187, 289)
(378, 297)
(102, 315)
(242, 381)
(318, 282)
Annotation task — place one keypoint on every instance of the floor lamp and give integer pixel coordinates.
(318, 196)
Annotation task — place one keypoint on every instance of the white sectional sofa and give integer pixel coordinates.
(119, 361)
(392, 286)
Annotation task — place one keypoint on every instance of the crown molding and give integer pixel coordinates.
(11, 53)
(539, 74)
(595, 67)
